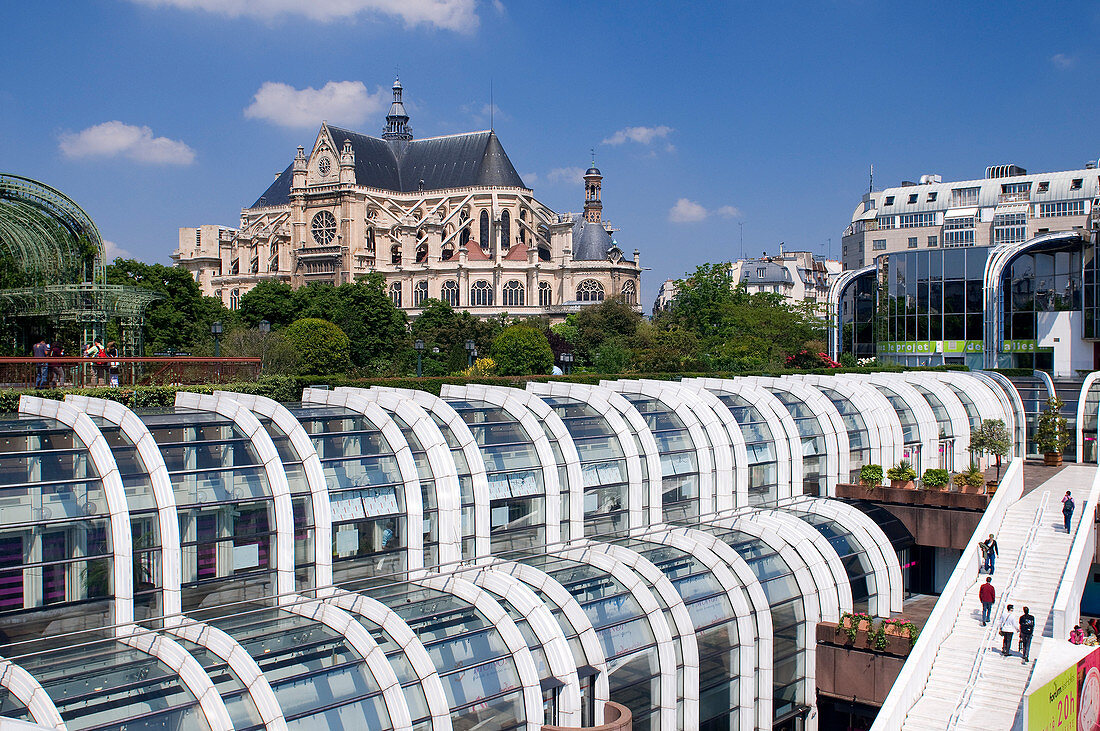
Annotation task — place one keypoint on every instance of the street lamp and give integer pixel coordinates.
(567, 361)
(216, 331)
(265, 328)
(471, 351)
(419, 345)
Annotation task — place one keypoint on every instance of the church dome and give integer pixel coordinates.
(591, 241)
(592, 171)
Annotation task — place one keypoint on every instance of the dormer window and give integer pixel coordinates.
(913, 198)
(760, 272)
(1044, 186)
(932, 197)
(889, 201)
(1076, 184)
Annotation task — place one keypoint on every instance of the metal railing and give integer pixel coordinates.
(87, 372)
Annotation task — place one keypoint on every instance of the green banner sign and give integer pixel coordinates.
(1023, 346)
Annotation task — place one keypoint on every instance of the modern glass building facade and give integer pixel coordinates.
(486, 558)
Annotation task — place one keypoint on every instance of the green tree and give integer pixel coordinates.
(520, 350)
(441, 326)
(269, 300)
(610, 319)
(991, 437)
(321, 346)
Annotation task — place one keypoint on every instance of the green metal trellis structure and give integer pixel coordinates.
(59, 262)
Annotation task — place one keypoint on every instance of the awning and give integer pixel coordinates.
(1008, 208)
(961, 213)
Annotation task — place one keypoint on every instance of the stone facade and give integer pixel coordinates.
(797, 275)
(441, 218)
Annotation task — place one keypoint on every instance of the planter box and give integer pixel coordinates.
(831, 633)
(922, 498)
(1052, 459)
(901, 484)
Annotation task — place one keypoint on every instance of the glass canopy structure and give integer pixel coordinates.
(488, 558)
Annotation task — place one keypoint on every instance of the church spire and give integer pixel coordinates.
(397, 121)
(593, 182)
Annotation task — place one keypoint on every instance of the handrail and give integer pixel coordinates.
(913, 677)
(1067, 602)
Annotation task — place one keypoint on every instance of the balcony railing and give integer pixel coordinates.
(87, 372)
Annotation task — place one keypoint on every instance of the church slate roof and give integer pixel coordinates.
(453, 161)
(591, 241)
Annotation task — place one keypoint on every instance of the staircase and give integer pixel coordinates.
(971, 685)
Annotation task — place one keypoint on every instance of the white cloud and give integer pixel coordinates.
(530, 178)
(566, 175)
(687, 211)
(729, 212)
(1063, 61)
(342, 102)
(114, 251)
(117, 139)
(641, 135)
(457, 15)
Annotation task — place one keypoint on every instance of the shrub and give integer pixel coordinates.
(321, 346)
(902, 471)
(935, 479)
(870, 475)
(522, 350)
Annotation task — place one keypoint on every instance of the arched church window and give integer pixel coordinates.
(395, 293)
(481, 294)
(235, 299)
(449, 292)
(546, 294)
(420, 292)
(505, 230)
(395, 254)
(590, 291)
(370, 239)
(513, 294)
(464, 237)
(485, 230)
(630, 293)
(421, 253)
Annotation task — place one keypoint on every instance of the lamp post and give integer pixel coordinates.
(567, 361)
(265, 328)
(419, 345)
(471, 351)
(216, 331)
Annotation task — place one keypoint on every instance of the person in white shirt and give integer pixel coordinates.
(1008, 626)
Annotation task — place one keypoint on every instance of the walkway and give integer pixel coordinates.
(971, 685)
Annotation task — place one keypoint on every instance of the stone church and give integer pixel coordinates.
(444, 218)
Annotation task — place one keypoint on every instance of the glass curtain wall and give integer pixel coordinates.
(814, 463)
(1035, 283)
(680, 485)
(759, 443)
(859, 444)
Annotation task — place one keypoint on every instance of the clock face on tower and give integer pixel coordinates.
(324, 165)
(323, 227)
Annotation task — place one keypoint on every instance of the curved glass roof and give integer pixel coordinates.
(814, 463)
(859, 443)
(759, 442)
(680, 483)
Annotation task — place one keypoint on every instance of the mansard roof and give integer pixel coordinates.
(474, 159)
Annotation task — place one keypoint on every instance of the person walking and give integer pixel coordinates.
(1007, 626)
(41, 373)
(989, 554)
(987, 595)
(57, 372)
(1027, 630)
(1067, 508)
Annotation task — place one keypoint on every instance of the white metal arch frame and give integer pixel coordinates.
(360, 640)
(833, 429)
(560, 660)
(592, 554)
(637, 434)
(164, 498)
(244, 666)
(190, 672)
(276, 479)
(787, 442)
(470, 451)
(1090, 379)
(31, 694)
(884, 560)
(518, 410)
(704, 451)
(399, 631)
(983, 395)
(883, 426)
(1011, 403)
(410, 479)
(928, 428)
(836, 293)
(956, 412)
(737, 593)
(761, 617)
(448, 491)
(509, 633)
(573, 613)
(114, 494)
(314, 473)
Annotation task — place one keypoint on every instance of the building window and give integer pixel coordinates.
(885, 222)
(447, 252)
(916, 220)
(235, 299)
(370, 239)
(590, 291)
(912, 242)
(1062, 208)
(933, 242)
(235, 267)
(932, 196)
(1044, 186)
(505, 230)
(958, 231)
(254, 266)
(546, 294)
(484, 235)
(544, 253)
(395, 293)
(420, 292)
(449, 292)
(481, 294)
(1076, 184)
(513, 294)
(395, 254)
(964, 197)
(629, 293)
(889, 201)
(464, 237)
(1016, 191)
(761, 271)
(1010, 228)
(878, 245)
(912, 198)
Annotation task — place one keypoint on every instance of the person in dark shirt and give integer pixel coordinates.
(1027, 630)
(1067, 508)
(42, 370)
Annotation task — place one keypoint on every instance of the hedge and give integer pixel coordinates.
(289, 388)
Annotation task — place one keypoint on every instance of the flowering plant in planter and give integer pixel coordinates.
(852, 622)
(901, 628)
(935, 479)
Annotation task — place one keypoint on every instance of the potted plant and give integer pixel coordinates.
(852, 623)
(1051, 434)
(935, 479)
(870, 476)
(991, 437)
(902, 475)
(970, 480)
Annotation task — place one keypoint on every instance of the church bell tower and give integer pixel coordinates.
(397, 121)
(593, 182)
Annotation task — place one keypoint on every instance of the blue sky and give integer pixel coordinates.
(156, 114)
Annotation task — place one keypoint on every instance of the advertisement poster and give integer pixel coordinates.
(1070, 701)
(1088, 692)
